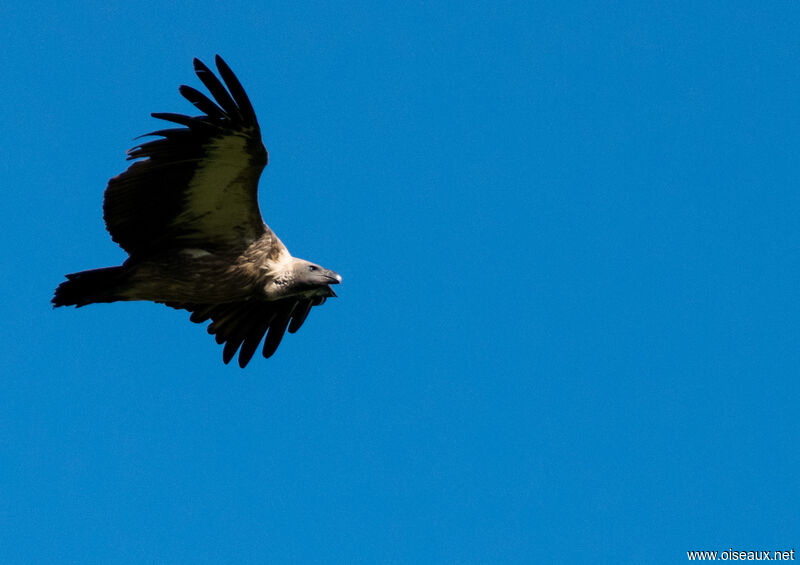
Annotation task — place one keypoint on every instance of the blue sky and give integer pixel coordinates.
(568, 329)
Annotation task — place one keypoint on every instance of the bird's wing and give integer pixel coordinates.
(197, 185)
(243, 324)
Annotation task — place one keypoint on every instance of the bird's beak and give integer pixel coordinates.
(333, 278)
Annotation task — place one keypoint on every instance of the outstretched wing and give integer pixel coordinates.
(197, 185)
(242, 325)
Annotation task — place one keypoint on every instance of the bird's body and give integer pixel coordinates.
(188, 216)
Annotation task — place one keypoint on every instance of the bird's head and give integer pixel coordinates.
(309, 276)
(303, 278)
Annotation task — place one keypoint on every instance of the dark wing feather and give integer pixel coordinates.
(277, 328)
(215, 87)
(242, 101)
(195, 186)
(252, 339)
(241, 326)
(299, 315)
(201, 102)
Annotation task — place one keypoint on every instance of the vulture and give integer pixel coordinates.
(186, 212)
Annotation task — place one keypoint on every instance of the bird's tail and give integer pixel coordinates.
(87, 287)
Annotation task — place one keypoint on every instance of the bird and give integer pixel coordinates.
(186, 212)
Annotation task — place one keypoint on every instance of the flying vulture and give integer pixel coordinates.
(186, 212)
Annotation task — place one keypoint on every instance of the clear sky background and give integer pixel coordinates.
(568, 328)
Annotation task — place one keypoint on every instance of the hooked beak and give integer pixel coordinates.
(333, 278)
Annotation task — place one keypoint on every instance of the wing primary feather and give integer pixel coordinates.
(182, 119)
(231, 346)
(196, 125)
(169, 132)
(216, 89)
(236, 89)
(299, 316)
(221, 316)
(201, 102)
(228, 352)
(276, 330)
(238, 331)
(253, 338)
(200, 315)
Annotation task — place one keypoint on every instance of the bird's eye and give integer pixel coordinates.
(313, 268)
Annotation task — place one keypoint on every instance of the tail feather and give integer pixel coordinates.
(87, 287)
